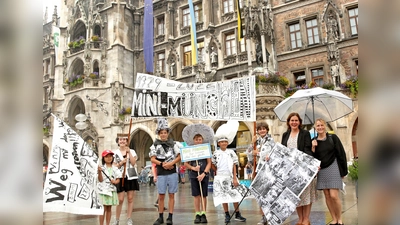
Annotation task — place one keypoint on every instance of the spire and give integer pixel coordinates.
(54, 19)
(45, 16)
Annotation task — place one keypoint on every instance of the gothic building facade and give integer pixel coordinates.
(100, 51)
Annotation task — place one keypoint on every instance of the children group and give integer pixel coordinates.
(165, 154)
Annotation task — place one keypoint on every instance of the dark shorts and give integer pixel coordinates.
(129, 185)
(196, 186)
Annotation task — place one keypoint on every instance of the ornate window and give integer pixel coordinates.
(230, 44)
(299, 78)
(353, 19)
(186, 17)
(228, 6)
(161, 62)
(318, 76)
(198, 12)
(160, 25)
(312, 31)
(295, 35)
(187, 55)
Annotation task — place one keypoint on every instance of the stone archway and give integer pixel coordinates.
(76, 107)
(141, 141)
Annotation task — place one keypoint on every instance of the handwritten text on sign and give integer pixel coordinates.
(195, 152)
(225, 100)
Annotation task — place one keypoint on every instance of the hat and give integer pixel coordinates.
(122, 135)
(106, 152)
(190, 131)
(162, 124)
(227, 131)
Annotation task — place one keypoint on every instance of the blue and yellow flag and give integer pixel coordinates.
(239, 20)
(193, 33)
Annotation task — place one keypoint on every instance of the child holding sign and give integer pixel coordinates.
(199, 169)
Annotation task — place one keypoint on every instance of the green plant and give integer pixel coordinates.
(95, 38)
(275, 78)
(353, 171)
(71, 44)
(329, 86)
(352, 84)
(74, 80)
(94, 75)
(124, 111)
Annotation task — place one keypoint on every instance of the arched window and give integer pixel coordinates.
(97, 30)
(78, 32)
(96, 69)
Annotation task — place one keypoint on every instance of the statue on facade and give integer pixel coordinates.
(259, 54)
(335, 73)
(214, 57)
(332, 26)
(172, 72)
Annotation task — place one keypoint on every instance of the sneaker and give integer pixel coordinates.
(263, 221)
(129, 222)
(116, 222)
(227, 218)
(159, 221)
(239, 217)
(197, 219)
(203, 218)
(169, 221)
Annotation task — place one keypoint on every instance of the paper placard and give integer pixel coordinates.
(195, 152)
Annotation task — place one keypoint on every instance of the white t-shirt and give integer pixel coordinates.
(224, 161)
(118, 158)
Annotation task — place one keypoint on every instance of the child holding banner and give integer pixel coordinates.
(196, 134)
(108, 176)
(165, 154)
(224, 162)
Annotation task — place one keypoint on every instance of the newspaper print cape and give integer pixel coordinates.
(225, 192)
(281, 180)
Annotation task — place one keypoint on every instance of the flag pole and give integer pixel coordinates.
(129, 137)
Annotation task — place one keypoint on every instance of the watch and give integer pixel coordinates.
(206, 173)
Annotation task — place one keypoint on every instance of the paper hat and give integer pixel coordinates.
(205, 131)
(122, 135)
(106, 152)
(162, 124)
(227, 131)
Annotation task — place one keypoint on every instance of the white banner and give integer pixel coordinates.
(195, 152)
(225, 192)
(71, 181)
(281, 180)
(224, 100)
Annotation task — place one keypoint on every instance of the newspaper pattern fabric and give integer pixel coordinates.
(281, 180)
(71, 181)
(225, 192)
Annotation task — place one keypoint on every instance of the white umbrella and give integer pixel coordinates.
(315, 103)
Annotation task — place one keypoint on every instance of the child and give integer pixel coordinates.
(109, 175)
(165, 154)
(199, 170)
(264, 144)
(224, 162)
(182, 170)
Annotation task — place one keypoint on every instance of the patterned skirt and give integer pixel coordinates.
(329, 177)
(109, 200)
(309, 195)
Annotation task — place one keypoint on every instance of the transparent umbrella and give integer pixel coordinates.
(315, 103)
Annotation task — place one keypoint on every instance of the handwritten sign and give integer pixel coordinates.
(71, 181)
(224, 100)
(195, 152)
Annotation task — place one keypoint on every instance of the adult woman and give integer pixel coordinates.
(295, 137)
(329, 150)
(125, 156)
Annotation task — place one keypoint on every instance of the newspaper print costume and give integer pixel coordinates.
(264, 145)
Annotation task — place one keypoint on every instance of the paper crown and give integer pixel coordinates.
(205, 131)
(227, 131)
(162, 124)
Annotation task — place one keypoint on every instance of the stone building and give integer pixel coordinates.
(100, 52)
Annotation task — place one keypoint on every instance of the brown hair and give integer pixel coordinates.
(262, 124)
(198, 135)
(290, 116)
